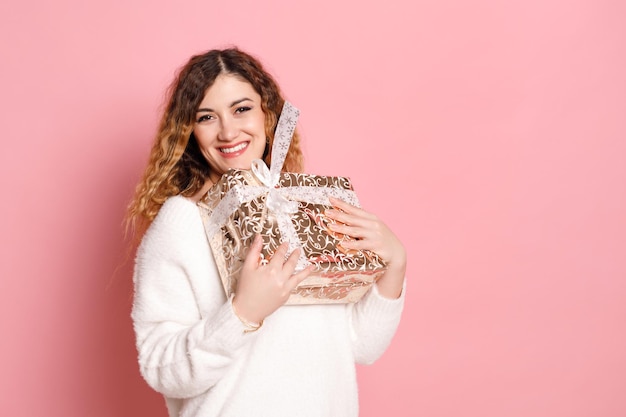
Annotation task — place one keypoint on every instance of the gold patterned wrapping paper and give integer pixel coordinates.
(286, 207)
(341, 275)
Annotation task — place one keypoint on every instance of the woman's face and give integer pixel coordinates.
(230, 125)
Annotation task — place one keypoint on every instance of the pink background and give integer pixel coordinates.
(490, 135)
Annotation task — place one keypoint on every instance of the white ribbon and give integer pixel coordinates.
(281, 201)
(275, 200)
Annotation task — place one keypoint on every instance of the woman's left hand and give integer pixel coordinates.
(370, 233)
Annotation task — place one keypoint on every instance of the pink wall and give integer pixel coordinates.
(489, 135)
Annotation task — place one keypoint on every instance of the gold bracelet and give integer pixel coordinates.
(250, 327)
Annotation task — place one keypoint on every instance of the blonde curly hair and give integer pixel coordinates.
(175, 165)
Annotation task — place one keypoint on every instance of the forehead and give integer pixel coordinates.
(228, 88)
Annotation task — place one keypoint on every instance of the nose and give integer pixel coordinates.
(228, 129)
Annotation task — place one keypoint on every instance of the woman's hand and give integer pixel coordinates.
(372, 234)
(262, 289)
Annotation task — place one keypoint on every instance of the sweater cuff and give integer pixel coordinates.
(229, 328)
(377, 305)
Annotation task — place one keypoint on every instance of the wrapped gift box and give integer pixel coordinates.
(287, 207)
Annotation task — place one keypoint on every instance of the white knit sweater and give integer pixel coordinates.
(192, 348)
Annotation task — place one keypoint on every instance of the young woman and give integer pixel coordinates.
(249, 355)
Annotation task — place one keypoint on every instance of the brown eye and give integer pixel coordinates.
(204, 118)
(242, 109)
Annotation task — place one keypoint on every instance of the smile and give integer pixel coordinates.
(235, 148)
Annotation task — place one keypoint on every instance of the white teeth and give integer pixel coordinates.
(234, 148)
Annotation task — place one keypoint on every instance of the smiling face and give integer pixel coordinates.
(230, 125)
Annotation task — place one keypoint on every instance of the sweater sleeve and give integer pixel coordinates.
(183, 350)
(374, 321)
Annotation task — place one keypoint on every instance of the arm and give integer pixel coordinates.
(183, 350)
(375, 318)
(187, 333)
(374, 321)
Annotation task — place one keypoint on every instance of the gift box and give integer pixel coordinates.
(290, 207)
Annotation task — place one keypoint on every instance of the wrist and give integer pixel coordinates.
(390, 284)
(250, 326)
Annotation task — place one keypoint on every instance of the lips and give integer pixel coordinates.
(234, 150)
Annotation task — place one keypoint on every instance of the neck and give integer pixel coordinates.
(198, 196)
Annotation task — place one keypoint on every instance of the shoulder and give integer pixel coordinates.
(177, 204)
(177, 220)
(177, 212)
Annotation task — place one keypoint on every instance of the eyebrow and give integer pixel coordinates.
(234, 103)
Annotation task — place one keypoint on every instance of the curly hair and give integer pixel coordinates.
(176, 165)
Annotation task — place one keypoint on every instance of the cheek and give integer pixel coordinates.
(204, 137)
(258, 124)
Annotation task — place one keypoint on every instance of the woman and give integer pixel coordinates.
(250, 355)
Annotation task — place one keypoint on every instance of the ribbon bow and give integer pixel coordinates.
(275, 201)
